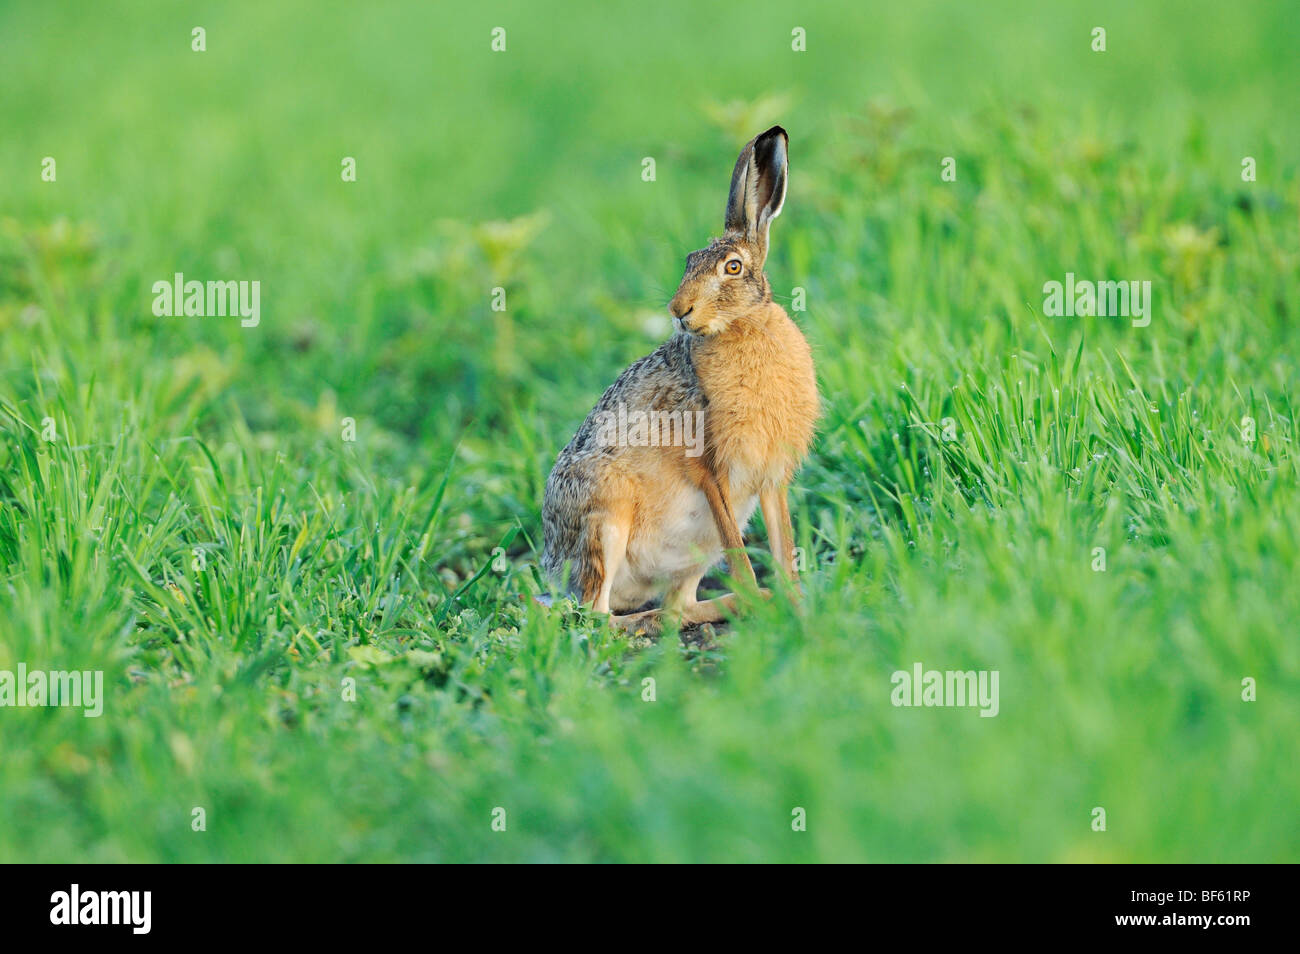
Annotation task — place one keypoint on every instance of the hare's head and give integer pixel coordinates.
(725, 281)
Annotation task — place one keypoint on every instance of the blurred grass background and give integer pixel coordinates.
(325, 560)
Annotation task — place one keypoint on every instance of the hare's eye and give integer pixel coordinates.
(733, 267)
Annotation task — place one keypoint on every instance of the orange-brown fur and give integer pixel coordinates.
(635, 524)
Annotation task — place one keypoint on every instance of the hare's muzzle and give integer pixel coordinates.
(681, 311)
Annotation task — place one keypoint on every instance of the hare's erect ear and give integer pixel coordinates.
(758, 186)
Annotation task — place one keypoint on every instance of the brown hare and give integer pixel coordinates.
(721, 416)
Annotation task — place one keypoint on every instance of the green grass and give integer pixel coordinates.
(376, 560)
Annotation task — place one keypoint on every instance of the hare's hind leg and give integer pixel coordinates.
(677, 605)
(690, 609)
(685, 609)
(714, 610)
(608, 553)
(651, 621)
(719, 609)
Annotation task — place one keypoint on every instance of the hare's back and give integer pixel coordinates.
(660, 387)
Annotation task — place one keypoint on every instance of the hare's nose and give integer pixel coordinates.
(679, 309)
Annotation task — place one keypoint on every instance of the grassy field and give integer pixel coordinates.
(327, 645)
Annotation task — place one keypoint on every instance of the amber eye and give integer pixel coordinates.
(732, 267)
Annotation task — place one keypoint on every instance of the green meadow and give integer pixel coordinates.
(303, 553)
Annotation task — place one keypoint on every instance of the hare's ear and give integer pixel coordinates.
(758, 186)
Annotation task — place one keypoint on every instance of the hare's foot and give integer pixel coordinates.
(685, 611)
(646, 623)
(717, 609)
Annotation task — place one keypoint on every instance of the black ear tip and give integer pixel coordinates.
(776, 131)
